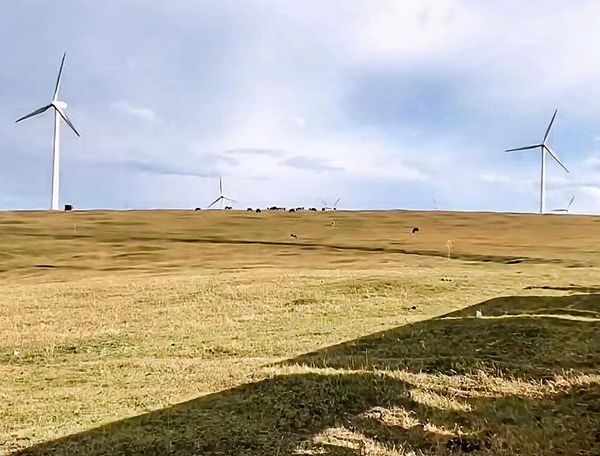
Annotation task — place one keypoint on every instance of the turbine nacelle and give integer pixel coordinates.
(60, 104)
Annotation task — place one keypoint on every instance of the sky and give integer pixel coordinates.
(386, 104)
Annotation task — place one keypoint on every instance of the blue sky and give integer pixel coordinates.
(386, 104)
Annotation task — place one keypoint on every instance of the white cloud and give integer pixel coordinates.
(139, 112)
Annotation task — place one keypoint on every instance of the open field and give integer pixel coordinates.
(152, 333)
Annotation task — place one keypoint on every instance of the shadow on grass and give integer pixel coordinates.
(451, 384)
(532, 337)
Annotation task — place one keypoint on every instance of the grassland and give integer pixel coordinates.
(217, 333)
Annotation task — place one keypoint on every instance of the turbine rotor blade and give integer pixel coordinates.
(215, 202)
(571, 202)
(34, 113)
(549, 126)
(229, 199)
(220, 186)
(534, 146)
(336, 202)
(66, 119)
(555, 157)
(55, 96)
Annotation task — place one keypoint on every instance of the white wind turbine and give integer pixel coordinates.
(333, 206)
(221, 197)
(566, 209)
(59, 111)
(543, 148)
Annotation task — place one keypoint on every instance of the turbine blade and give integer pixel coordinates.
(57, 87)
(34, 113)
(571, 202)
(549, 126)
(229, 199)
(524, 148)
(66, 119)
(336, 202)
(555, 157)
(220, 185)
(215, 202)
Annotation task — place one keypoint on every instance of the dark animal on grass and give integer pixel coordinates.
(258, 211)
(415, 229)
(293, 236)
(292, 210)
(313, 209)
(250, 209)
(197, 209)
(228, 208)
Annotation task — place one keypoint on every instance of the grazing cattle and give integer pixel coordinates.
(323, 209)
(313, 209)
(292, 235)
(197, 209)
(415, 229)
(68, 207)
(250, 209)
(228, 208)
(292, 210)
(258, 211)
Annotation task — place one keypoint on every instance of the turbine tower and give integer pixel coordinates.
(221, 197)
(59, 112)
(543, 149)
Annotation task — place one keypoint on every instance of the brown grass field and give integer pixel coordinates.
(157, 333)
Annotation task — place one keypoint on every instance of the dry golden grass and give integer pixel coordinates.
(217, 333)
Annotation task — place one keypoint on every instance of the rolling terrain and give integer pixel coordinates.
(173, 332)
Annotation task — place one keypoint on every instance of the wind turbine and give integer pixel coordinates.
(59, 112)
(566, 209)
(333, 206)
(221, 197)
(543, 148)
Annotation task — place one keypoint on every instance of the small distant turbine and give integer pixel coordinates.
(566, 209)
(221, 197)
(333, 206)
(59, 112)
(543, 148)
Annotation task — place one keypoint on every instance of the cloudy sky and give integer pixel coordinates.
(384, 103)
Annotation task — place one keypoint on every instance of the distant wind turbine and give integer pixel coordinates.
(543, 148)
(566, 209)
(59, 112)
(221, 197)
(333, 206)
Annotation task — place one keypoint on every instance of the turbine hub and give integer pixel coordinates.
(61, 104)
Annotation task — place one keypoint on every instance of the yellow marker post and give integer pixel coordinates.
(449, 245)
